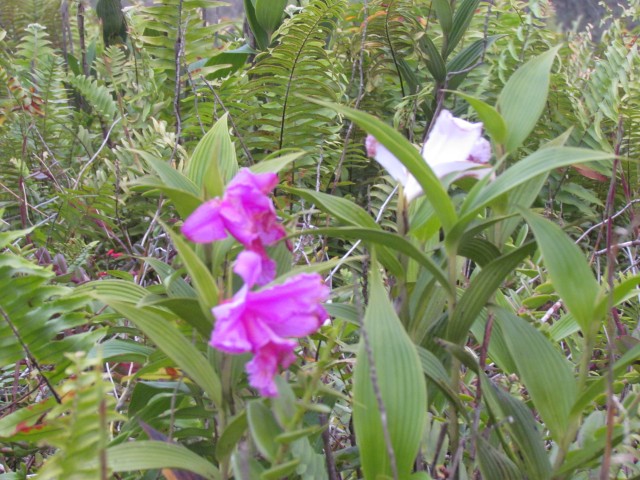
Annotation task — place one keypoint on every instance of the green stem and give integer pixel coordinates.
(306, 399)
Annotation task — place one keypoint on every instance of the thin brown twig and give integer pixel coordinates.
(611, 262)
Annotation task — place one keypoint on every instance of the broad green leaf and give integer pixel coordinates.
(281, 471)
(466, 59)
(436, 373)
(269, 14)
(345, 210)
(591, 454)
(154, 455)
(599, 386)
(121, 289)
(261, 36)
(276, 164)
(264, 429)
(482, 287)
(231, 435)
(436, 63)
(520, 423)
(401, 384)
(543, 370)
(170, 177)
(461, 20)
(185, 202)
(479, 250)
(494, 463)
(523, 98)
(349, 213)
(213, 162)
(493, 122)
(445, 16)
(201, 277)
(568, 269)
(386, 239)
(408, 155)
(533, 166)
(169, 339)
(7, 237)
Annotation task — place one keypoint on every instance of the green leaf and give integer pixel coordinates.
(153, 455)
(599, 386)
(568, 269)
(495, 464)
(121, 289)
(213, 162)
(408, 155)
(276, 164)
(264, 429)
(201, 277)
(519, 421)
(386, 239)
(482, 287)
(343, 209)
(436, 63)
(523, 98)
(493, 122)
(170, 177)
(401, 384)
(261, 36)
(461, 20)
(169, 339)
(445, 16)
(542, 161)
(231, 435)
(545, 372)
(184, 202)
(436, 373)
(269, 14)
(281, 471)
(466, 59)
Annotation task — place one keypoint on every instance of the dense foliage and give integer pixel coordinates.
(485, 329)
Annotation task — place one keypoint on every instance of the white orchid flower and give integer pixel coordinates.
(454, 146)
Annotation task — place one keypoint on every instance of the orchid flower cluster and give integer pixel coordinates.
(455, 149)
(264, 321)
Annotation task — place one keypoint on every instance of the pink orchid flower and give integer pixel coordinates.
(454, 146)
(246, 212)
(264, 321)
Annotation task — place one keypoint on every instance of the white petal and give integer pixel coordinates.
(412, 189)
(481, 152)
(385, 158)
(451, 140)
(462, 169)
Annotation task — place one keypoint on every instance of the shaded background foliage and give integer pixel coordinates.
(104, 148)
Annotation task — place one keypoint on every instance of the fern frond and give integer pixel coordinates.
(298, 64)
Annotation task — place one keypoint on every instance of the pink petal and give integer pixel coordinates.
(293, 308)
(255, 267)
(230, 333)
(384, 157)
(264, 366)
(249, 215)
(205, 224)
(263, 182)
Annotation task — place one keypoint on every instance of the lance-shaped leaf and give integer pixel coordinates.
(568, 269)
(401, 384)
